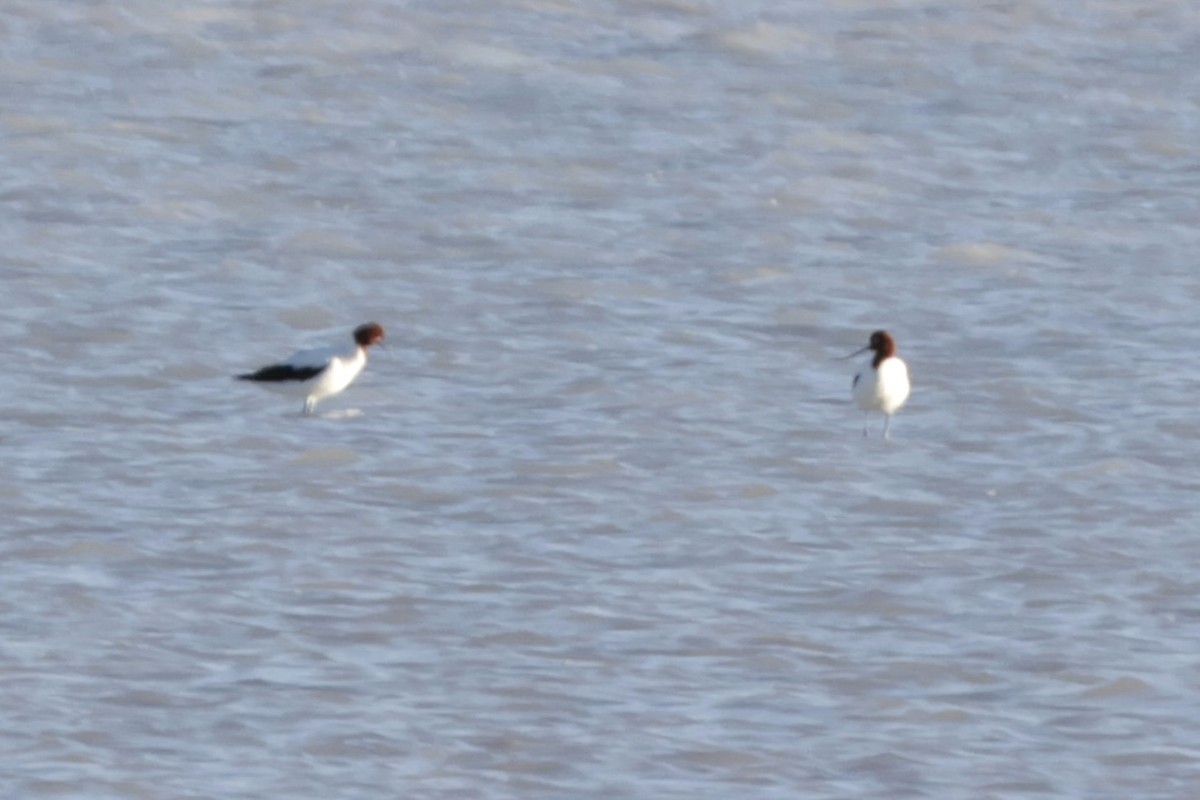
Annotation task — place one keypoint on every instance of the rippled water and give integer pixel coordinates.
(600, 521)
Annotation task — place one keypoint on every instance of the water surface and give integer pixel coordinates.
(600, 521)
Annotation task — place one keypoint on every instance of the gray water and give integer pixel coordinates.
(600, 521)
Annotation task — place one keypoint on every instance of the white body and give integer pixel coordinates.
(883, 388)
(342, 366)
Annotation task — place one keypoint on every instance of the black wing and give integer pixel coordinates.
(281, 373)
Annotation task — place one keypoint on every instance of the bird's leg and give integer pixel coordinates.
(309, 406)
(887, 424)
(866, 423)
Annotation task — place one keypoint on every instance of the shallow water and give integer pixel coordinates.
(600, 521)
